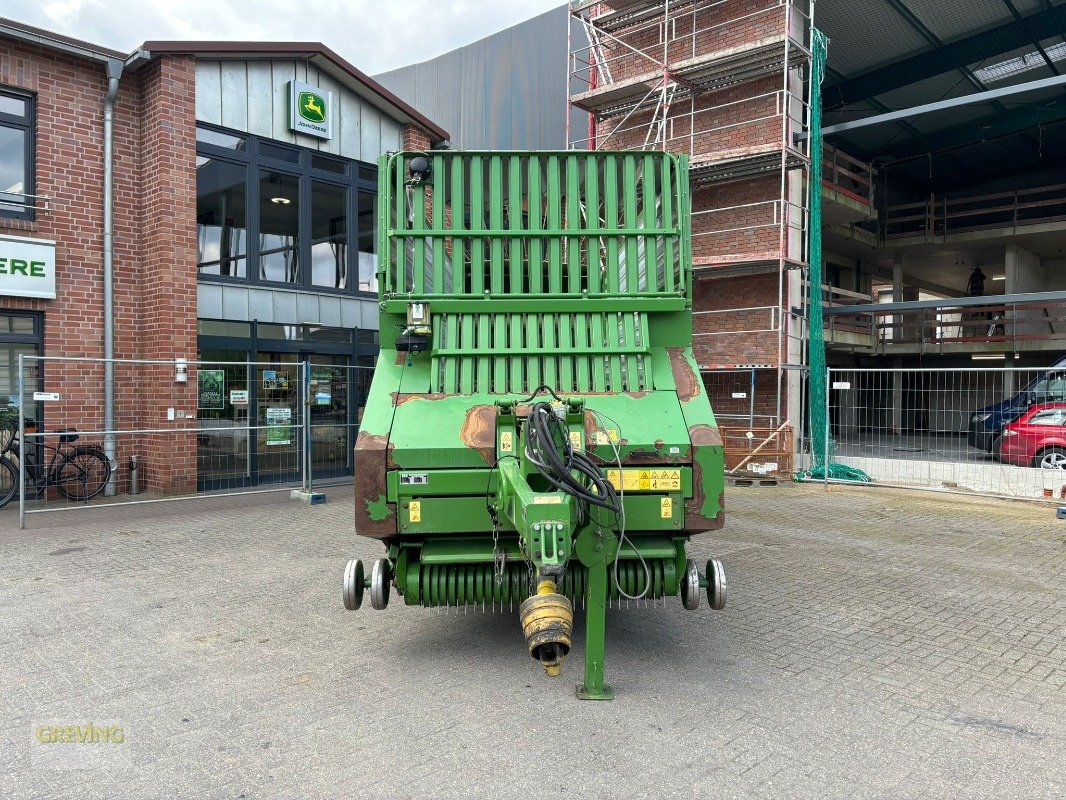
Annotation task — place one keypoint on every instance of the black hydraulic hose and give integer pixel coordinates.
(558, 471)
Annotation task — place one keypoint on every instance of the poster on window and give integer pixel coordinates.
(211, 384)
(278, 426)
(274, 380)
(322, 386)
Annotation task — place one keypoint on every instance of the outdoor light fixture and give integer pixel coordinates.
(181, 370)
(999, 277)
(419, 169)
(988, 356)
(281, 201)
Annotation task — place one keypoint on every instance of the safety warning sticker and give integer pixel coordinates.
(646, 480)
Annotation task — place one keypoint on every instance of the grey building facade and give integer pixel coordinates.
(507, 91)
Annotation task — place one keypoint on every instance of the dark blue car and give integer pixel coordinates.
(986, 425)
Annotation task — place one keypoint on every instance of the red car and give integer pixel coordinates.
(1037, 438)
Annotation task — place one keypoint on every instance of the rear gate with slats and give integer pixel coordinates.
(514, 353)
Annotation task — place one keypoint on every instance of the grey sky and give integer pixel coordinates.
(375, 36)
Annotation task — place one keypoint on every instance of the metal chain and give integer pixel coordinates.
(499, 557)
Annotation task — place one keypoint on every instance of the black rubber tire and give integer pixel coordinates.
(91, 470)
(9, 481)
(1061, 451)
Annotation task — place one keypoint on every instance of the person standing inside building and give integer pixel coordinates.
(975, 286)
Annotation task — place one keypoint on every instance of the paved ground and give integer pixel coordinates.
(946, 447)
(876, 644)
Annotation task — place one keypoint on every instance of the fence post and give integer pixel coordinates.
(22, 441)
(751, 401)
(825, 453)
(305, 398)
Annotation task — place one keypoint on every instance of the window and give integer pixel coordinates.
(272, 213)
(16, 156)
(368, 260)
(1051, 416)
(329, 235)
(279, 227)
(1052, 388)
(221, 218)
(20, 333)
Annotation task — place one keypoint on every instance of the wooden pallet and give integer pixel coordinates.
(743, 480)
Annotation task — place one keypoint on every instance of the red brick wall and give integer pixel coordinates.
(415, 138)
(168, 220)
(736, 219)
(154, 246)
(719, 27)
(741, 336)
(739, 120)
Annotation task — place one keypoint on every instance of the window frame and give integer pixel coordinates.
(29, 125)
(306, 174)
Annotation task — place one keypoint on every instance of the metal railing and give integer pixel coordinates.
(183, 429)
(953, 324)
(749, 319)
(993, 431)
(847, 175)
(29, 202)
(601, 63)
(742, 223)
(742, 395)
(941, 216)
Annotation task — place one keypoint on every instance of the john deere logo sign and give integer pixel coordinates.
(312, 107)
(27, 267)
(310, 110)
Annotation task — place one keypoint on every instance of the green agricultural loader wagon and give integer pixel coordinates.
(537, 433)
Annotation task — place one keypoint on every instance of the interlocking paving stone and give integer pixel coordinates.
(876, 644)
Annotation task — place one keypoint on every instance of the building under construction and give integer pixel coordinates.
(725, 82)
(942, 198)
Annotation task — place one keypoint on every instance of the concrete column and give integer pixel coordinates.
(897, 397)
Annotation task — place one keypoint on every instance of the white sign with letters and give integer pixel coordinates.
(27, 267)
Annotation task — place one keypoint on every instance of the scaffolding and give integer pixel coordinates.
(726, 83)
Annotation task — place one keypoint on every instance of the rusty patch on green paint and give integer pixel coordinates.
(707, 453)
(686, 380)
(705, 436)
(399, 399)
(372, 457)
(479, 431)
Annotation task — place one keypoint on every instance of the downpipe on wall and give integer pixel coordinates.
(113, 69)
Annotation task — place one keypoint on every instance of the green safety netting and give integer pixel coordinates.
(822, 445)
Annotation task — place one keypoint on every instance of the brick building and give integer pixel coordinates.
(243, 231)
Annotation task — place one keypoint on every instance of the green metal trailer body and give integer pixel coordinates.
(537, 430)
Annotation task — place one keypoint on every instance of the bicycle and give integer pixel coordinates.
(78, 472)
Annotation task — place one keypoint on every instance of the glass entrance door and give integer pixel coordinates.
(332, 426)
(224, 455)
(279, 449)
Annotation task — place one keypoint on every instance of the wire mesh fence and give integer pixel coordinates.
(996, 431)
(83, 432)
